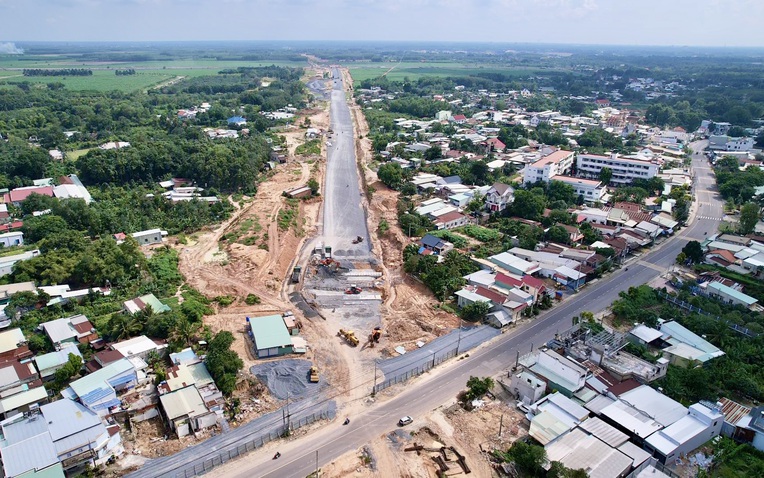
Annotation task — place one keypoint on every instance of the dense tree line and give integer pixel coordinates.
(126, 72)
(57, 72)
(736, 185)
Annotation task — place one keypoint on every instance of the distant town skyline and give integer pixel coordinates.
(606, 22)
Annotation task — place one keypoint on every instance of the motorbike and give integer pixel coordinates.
(276, 455)
(346, 422)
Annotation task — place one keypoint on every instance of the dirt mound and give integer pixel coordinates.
(286, 379)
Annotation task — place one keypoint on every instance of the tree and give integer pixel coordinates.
(391, 175)
(222, 362)
(606, 174)
(475, 312)
(749, 217)
(313, 185)
(527, 205)
(529, 458)
(558, 234)
(693, 251)
(477, 387)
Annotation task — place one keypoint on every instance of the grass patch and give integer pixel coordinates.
(458, 241)
(414, 71)
(480, 233)
(287, 216)
(73, 155)
(309, 147)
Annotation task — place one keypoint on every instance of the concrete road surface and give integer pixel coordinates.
(430, 391)
(344, 218)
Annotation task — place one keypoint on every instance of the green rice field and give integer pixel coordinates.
(148, 74)
(414, 71)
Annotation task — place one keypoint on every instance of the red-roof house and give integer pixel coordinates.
(494, 145)
(18, 195)
(495, 297)
(459, 119)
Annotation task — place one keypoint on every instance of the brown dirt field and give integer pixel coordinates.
(473, 434)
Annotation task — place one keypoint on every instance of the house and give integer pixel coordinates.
(554, 415)
(7, 262)
(47, 364)
(149, 237)
(527, 387)
(140, 346)
(577, 449)
(186, 412)
(14, 375)
(13, 345)
(643, 411)
(184, 357)
(728, 295)
(138, 304)
(74, 329)
(499, 197)
(22, 400)
(494, 145)
(114, 145)
(62, 435)
(560, 373)
(299, 192)
(736, 420)
(237, 121)
(459, 119)
(435, 244)
(591, 190)
(514, 264)
(19, 195)
(700, 425)
(467, 296)
(70, 187)
(7, 290)
(270, 336)
(12, 239)
(451, 220)
(686, 348)
(98, 390)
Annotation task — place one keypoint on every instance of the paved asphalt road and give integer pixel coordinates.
(344, 219)
(300, 457)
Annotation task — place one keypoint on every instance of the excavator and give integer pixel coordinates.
(374, 336)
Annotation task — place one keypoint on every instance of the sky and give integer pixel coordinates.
(608, 22)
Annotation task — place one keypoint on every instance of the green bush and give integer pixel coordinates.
(252, 299)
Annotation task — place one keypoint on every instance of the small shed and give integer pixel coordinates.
(270, 336)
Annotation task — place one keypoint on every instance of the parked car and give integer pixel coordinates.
(405, 421)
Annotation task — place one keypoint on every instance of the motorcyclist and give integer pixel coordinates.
(278, 454)
(347, 421)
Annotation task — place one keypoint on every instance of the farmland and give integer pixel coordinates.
(416, 70)
(148, 73)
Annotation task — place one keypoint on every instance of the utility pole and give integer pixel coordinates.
(287, 413)
(501, 424)
(316, 463)
(374, 387)
(459, 341)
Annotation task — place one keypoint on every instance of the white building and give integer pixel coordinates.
(625, 170)
(10, 239)
(549, 166)
(693, 430)
(592, 190)
(151, 236)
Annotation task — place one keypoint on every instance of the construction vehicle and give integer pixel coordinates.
(349, 335)
(374, 337)
(357, 240)
(353, 290)
(296, 274)
(330, 264)
(313, 374)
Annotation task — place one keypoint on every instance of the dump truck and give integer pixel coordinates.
(349, 336)
(313, 374)
(296, 274)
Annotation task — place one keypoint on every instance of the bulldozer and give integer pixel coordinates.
(349, 336)
(313, 374)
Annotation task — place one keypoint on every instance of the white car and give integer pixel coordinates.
(405, 421)
(328, 143)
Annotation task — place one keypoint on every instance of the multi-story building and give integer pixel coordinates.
(555, 164)
(625, 170)
(592, 190)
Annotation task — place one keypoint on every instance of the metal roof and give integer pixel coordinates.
(608, 434)
(269, 331)
(596, 405)
(59, 330)
(55, 359)
(10, 339)
(733, 412)
(631, 419)
(545, 427)
(194, 374)
(645, 333)
(34, 453)
(136, 346)
(99, 379)
(26, 397)
(654, 404)
(186, 401)
(576, 450)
